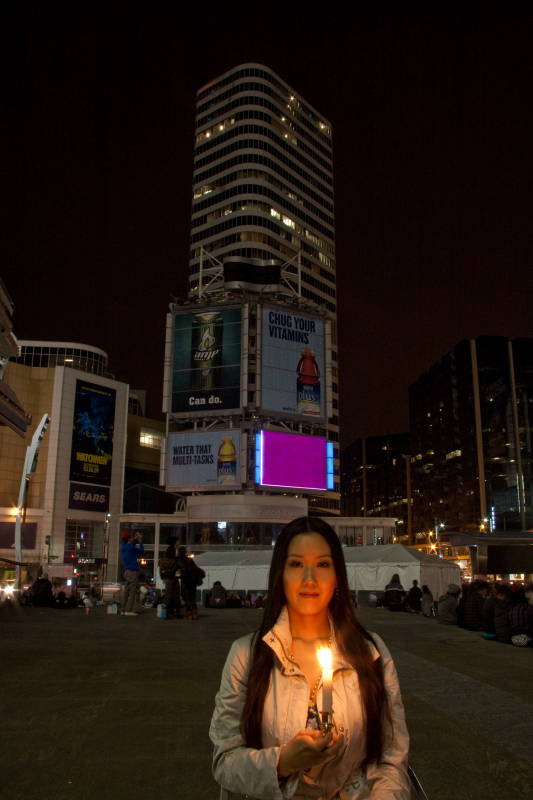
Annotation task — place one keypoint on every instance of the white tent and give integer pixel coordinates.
(369, 569)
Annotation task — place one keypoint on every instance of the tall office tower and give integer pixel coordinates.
(263, 189)
(471, 439)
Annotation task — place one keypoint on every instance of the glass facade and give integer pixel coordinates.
(49, 357)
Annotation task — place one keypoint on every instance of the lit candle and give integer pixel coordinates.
(324, 657)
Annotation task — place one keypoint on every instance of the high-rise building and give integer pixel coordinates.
(375, 480)
(263, 190)
(471, 439)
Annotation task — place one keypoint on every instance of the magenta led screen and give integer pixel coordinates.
(293, 461)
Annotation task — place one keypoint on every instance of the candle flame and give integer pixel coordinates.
(324, 657)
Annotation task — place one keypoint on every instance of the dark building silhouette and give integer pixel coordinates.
(374, 479)
(470, 422)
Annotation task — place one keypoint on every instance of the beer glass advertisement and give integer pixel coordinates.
(92, 436)
(207, 460)
(206, 370)
(293, 364)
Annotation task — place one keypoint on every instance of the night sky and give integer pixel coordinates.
(431, 106)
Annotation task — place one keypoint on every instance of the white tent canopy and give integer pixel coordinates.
(368, 568)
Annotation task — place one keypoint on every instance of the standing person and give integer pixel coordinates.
(191, 577)
(169, 571)
(427, 601)
(415, 596)
(447, 607)
(264, 728)
(130, 550)
(475, 600)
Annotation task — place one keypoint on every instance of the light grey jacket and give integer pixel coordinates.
(244, 770)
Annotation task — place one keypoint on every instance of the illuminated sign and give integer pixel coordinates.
(92, 435)
(206, 460)
(291, 461)
(206, 368)
(293, 364)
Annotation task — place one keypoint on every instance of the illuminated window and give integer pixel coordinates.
(275, 213)
(288, 221)
(150, 438)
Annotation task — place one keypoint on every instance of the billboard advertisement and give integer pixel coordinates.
(91, 456)
(205, 460)
(291, 461)
(206, 366)
(293, 364)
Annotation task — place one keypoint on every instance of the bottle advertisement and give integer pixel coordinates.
(206, 369)
(293, 369)
(204, 460)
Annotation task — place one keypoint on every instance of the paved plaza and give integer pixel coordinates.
(104, 707)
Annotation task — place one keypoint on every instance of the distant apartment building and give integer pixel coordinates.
(471, 444)
(374, 480)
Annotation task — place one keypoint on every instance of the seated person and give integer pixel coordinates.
(218, 596)
(447, 607)
(395, 594)
(234, 601)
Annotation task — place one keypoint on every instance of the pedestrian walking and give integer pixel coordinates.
(130, 551)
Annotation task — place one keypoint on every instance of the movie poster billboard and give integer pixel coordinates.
(206, 369)
(293, 364)
(91, 456)
(204, 460)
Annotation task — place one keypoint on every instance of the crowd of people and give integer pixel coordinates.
(501, 611)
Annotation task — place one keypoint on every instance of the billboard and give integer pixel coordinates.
(206, 365)
(293, 364)
(91, 456)
(291, 461)
(205, 460)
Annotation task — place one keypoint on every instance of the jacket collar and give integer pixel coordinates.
(279, 639)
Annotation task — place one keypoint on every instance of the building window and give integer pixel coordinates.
(150, 438)
(83, 539)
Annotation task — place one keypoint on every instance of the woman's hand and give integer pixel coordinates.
(308, 749)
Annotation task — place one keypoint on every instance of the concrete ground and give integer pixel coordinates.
(103, 707)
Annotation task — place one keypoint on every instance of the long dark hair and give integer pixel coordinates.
(351, 638)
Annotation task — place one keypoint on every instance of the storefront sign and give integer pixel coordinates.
(88, 498)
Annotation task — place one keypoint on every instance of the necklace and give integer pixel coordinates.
(315, 687)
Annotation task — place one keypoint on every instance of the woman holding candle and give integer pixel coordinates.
(265, 728)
